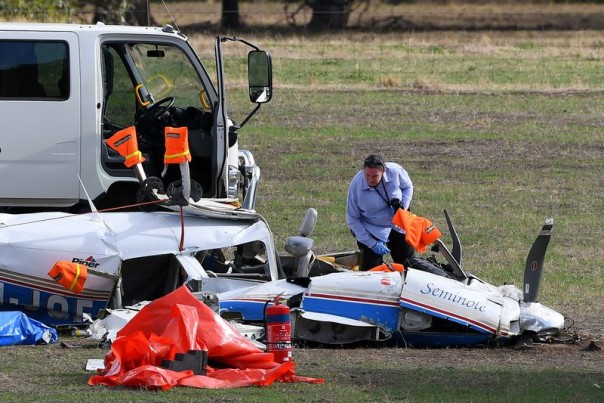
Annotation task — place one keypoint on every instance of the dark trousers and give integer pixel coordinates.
(400, 251)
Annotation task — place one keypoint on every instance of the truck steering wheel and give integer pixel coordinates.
(147, 116)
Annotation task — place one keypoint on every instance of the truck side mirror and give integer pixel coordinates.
(260, 76)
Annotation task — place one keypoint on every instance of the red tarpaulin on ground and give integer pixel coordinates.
(178, 323)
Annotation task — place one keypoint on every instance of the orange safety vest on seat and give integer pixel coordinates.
(70, 275)
(125, 143)
(419, 231)
(177, 145)
(389, 267)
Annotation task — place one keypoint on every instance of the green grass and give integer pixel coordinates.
(501, 164)
(491, 375)
(484, 61)
(519, 142)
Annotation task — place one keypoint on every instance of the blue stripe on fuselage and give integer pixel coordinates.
(45, 307)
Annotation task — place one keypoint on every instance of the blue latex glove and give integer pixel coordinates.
(380, 248)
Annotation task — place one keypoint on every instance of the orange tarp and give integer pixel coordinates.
(178, 323)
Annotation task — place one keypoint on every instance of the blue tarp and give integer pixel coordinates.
(18, 328)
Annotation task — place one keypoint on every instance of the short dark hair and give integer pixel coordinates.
(374, 161)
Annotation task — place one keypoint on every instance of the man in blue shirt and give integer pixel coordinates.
(374, 195)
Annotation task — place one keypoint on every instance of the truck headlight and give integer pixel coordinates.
(234, 181)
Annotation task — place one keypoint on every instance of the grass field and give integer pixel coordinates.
(503, 129)
(504, 144)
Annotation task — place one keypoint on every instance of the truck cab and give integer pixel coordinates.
(65, 89)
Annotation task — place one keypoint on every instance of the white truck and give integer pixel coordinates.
(66, 88)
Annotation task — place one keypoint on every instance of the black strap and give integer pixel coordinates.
(385, 198)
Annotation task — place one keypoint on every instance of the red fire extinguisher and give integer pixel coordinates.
(277, 328)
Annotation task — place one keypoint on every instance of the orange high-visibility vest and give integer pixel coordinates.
(389, 267)
(419, 231)
(70, 275)
(125, 143)
(177, 145)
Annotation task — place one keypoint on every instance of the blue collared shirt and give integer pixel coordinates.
(367, 212)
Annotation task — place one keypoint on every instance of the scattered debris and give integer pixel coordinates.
(194, 360)
(95, 364)
(592, 346)
(525, 342)
(69, 345)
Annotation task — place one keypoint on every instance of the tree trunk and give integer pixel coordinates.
(110, 12)
(140, 14)
(329, 14)
(133, 12)
(230, 14)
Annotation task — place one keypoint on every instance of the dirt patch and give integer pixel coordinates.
(550, 356)
(455, 367)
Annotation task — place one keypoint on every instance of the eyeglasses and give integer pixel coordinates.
(373, 161)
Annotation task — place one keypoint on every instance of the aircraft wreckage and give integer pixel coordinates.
(227, 254)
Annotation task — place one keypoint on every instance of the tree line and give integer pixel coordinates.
(325, 13)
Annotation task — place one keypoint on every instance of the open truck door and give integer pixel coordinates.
(227, 168)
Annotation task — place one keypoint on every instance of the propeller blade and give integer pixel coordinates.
(534, 262)
(456, 252)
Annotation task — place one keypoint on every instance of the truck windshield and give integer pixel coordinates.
(166, 71)
(154, 72)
